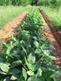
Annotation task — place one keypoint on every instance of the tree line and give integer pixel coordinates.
(31, 2)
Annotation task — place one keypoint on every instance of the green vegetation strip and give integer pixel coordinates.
(28, 57)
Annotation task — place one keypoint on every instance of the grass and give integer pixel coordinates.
(54, 15)
(7, 13)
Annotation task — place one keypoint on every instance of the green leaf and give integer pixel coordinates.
(4, 67)
(25, 34)
(38, 51)
(13, 77)
(56, 79)
(16, 63)
(56, 74)
(30, 73)
(36, 44)
(14, 39)
(3, 73)
(34, 78)
(31, 66)
(8, 50)
(31, 59)
(9, 47)
(53, 58)
(24, 49)
(24, 73)
(39, 73)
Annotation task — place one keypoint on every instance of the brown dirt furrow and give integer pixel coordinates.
(54, 35)
(11, 26)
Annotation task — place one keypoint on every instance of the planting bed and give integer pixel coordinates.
(54, 35)
(29, 55)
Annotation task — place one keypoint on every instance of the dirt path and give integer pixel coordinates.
(11, 26)
(53, 35)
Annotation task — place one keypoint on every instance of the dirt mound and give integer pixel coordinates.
(9, 28)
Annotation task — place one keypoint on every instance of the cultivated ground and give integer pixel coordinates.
(29, 31)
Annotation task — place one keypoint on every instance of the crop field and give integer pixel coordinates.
(30, 54)
(26, 56)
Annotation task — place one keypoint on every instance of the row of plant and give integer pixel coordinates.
(28, 56)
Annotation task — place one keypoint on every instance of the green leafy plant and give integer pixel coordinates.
(28, 57)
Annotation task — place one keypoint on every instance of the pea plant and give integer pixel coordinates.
(28, 56)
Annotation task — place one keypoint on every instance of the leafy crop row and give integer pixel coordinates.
(28, 57)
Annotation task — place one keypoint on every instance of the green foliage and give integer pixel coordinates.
(15, 2)
(28, 57)
(30, 2)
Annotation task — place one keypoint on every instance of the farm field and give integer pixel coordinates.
(25, 57)
(29, 49)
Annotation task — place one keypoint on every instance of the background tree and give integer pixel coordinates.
(34, 2)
